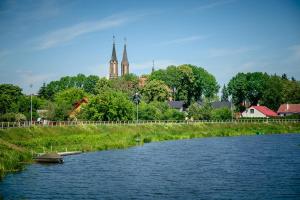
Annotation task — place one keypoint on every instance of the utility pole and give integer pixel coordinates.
(30, 104)
(231, 108)
(136, 100)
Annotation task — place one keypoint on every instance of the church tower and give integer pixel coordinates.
(124, 63)
(113, 63)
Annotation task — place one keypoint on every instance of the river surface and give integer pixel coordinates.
(247, 167)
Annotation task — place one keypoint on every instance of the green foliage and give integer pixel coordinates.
(12, 117)
(87, 83)
(225, 94)
(9, 97)
(65, 100)
(158, 111)
(262, 88)
(127, 84)
(155, 90)
(273, 93)
(200, 112)
(237, 88)
(255, 86)
(187, 82)
(221, 114)
(69, 96)
(108, 106)
(290, 91)
(103, 85)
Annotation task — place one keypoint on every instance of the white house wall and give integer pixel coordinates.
(256, 113)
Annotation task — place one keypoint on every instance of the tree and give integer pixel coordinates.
(87, 83)
(158, 111)
(284, 77)
(102, 85)
(221, 114)
(237, 88)
(200, 112)
(155, 90)
(273, 93)
(225, 94)
(149, 111)
(64, 101)
(127, 84)
(109, 106)
(90, 83)
(9, 97)
(255, 86)
(187, 82)
(291, 91)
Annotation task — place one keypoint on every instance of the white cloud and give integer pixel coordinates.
(212, 4)
(29, 77)
(67, 34)
(183, 40)
(220, 52)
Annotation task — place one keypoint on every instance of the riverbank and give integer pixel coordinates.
(18, 144)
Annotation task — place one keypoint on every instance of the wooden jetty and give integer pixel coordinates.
(49, 158)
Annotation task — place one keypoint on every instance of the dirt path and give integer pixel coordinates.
(12, 146)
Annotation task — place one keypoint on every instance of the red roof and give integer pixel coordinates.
(265, 110)
(289, 108)
(78, 103)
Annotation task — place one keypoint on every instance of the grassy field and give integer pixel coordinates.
(18, 144)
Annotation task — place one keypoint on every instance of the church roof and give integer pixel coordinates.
(125, 59)
(114, 54)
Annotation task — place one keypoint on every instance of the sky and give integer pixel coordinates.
(43, 40)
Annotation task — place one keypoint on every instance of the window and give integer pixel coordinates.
(251, 111)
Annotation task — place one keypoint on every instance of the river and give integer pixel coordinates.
(246, 167)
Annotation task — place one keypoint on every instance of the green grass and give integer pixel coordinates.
(103, 137)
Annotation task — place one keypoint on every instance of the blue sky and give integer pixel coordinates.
(42, 41)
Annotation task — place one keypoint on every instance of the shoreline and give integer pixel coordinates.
(17, 145)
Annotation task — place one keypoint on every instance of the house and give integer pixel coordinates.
(178, 105)
(77, 106)
(217, 104)
(288, 109)
(142, 81)
(259, 111)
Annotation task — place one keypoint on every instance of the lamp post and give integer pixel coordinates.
(136, 100)
(30, 104)
(231, 108)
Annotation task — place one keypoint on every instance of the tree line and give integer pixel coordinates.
(113, 99)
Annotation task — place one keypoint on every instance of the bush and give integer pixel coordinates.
(221, 114)
(12, 117)
(198, 112)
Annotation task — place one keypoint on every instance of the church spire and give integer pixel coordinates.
(114, 54)
(124, 63)
(113, 63)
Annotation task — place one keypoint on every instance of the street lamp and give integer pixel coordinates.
(137, 100)
(30, 104)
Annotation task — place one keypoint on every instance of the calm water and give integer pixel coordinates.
(254, 167)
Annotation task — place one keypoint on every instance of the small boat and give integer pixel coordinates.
(49, 158)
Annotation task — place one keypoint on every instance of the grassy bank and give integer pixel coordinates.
(17, 145)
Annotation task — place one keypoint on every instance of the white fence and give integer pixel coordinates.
(26, 124)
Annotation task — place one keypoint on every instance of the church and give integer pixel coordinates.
(113, 63)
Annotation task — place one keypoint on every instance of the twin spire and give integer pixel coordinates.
(113, 68)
